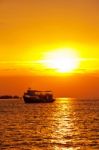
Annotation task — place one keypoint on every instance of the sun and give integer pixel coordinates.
(62, 60)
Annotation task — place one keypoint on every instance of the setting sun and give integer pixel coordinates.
(62, 60)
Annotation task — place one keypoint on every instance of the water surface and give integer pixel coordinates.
(65, 124)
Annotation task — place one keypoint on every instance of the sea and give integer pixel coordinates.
(66, 124)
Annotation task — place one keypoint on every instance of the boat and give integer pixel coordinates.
(35, 96)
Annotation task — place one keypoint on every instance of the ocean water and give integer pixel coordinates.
(66, 124)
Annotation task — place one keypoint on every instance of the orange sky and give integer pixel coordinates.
(29, 29)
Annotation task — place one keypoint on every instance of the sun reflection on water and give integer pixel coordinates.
(63, 124)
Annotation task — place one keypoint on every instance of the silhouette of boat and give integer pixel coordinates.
(35, 96)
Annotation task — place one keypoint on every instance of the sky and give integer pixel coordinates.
(30, 30)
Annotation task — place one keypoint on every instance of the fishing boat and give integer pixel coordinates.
(35, 96)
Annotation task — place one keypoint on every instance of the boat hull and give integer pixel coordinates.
(34, 100)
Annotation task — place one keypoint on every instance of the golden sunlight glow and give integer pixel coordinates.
(61, 60)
